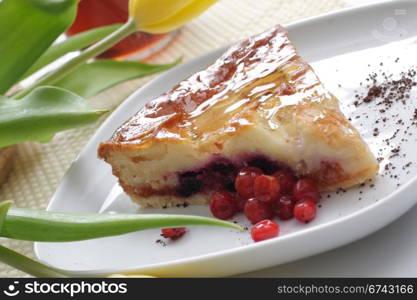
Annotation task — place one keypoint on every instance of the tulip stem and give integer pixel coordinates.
(49, 79)
(27, 265)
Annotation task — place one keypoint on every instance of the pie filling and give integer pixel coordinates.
(220, 174)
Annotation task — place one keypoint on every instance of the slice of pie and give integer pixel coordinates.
(260, 104)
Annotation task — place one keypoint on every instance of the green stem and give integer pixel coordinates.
(34, 225)
(128, 28)
(44, 226)
(27, 265)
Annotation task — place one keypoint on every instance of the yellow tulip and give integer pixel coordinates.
(160, 16)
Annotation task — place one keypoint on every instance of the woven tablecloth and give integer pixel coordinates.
(40, 167)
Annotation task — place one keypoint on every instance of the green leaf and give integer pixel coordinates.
(27, 29)
(92, 78)
(73, 43)
(42, 113)
(44, 226)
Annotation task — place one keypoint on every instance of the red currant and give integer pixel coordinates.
(173, 233)
(266, 188)
(305, 210)
(306, 188)
(223, 205)
(245, 180)
(286, 181)
(264, 230)
(256, 210)
(284, 207)
(240, 202)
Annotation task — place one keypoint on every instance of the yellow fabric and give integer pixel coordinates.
(40, 167)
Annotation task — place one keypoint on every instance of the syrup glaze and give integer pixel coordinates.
(263, 73)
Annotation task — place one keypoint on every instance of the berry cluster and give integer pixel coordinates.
(262, 197)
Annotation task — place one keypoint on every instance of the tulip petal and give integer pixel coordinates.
(181, 17)
(151, 11)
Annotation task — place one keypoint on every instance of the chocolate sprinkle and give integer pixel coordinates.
(384, 90)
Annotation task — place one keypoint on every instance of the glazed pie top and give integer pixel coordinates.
(260, 77)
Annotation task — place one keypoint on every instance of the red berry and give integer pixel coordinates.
(266, 188)
(284, 207)
(305, 210)
(256, 210)
(286, 181)
(306, 188)
(223, 205)
(173, 233)
(240, 202)
(245, 180)
(264, 230)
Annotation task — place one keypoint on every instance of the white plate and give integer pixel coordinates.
(340, 46)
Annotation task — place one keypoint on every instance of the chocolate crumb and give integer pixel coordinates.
(396, 150)
(161, 242)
